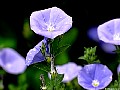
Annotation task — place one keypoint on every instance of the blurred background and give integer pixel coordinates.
(15, 32)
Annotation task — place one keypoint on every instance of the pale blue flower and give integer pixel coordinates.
(92, 34)
(109, 31)
(70, 71)
(94, 77)
(106, 47)
(35, 55)
(11, 61)
(50, 22)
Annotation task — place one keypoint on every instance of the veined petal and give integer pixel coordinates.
(109, 31)
(57, 15)
(94, 76)
(46, 22)
(34, 55)
(69, 73)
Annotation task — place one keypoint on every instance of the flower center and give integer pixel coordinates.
(50, 28)
(95, 83)
(116, 36)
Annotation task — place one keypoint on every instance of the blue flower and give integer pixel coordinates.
(106, 47)
(35, 55)
(92, 34)
(70, 71)
(50, 22)
(11, 61)
(109, 31)
(94, 76)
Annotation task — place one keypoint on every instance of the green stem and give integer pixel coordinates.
(1, 82)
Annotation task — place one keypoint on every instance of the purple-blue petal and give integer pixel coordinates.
(57, 15)
(92, 72)
(92, 34)
(107, 30)
(108, 48)
(54, 17)
(69, 73)
(11, 61)
(104, 75)
(34, 55)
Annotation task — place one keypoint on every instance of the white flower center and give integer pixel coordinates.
(95, 83)
(116, 36)
(50, 28)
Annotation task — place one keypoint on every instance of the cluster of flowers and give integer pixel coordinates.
(53, 22)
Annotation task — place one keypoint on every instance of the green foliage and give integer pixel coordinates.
(27, 32)
(56, 47)
(43, 49)
(114, 85)
(61, 45)
(62, 42)
(55, 82)
(73, 85)
(90, 55)
(1, 85)
(61, 49)
(45, 66)
(2, 72)
(8, 42)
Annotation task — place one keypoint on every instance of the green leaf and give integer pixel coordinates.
(43, 66)
(56, 83)
(55, 44)
(69, 37)
(59, 78)
(64, 41)
(22, 79)
(61, 49)
(62, 58)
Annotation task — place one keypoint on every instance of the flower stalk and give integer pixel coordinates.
(43, 82)
(53, 71)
